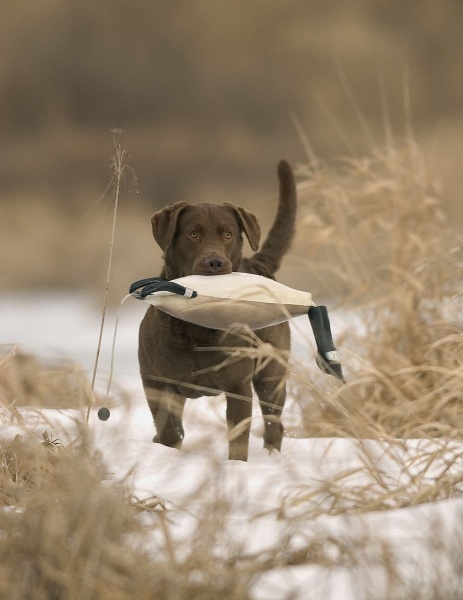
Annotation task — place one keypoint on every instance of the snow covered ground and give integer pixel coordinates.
(267, 509)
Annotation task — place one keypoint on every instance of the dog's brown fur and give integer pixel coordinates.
(206, 239)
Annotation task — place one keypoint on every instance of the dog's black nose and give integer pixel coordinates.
(213, 263)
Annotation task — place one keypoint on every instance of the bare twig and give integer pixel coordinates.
(119, 166)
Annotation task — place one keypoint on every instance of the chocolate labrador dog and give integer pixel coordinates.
(175, 363)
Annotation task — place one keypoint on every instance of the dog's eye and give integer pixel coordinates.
(193, 234)
(228, 235)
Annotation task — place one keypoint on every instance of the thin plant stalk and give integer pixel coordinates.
(118, 166)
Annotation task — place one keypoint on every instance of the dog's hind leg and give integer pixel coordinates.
(167, 409)
(269, 382)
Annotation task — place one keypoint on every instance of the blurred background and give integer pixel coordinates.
(209, 95)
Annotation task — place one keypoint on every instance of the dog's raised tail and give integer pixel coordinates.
(280, 236)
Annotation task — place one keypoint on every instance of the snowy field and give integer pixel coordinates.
(267, 510)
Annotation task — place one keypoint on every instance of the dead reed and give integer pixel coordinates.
(39, 381)
(378, 242)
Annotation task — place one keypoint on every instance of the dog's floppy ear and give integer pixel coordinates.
(164, 224)
(249, 224)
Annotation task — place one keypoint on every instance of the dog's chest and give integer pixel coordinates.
(186, 337)
(200, 361)
(193, 348)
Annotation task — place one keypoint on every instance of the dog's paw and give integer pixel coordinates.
(171, 442)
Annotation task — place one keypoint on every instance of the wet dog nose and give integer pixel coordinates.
(213, 263)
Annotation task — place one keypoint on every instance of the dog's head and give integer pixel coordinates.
(203, 239)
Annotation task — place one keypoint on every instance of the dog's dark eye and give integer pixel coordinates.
(194, 234)
(228, 235)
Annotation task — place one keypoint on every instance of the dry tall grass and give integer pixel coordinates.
(376, 239)
(28, 380)
(66, 534)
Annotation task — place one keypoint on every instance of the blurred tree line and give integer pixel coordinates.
(205, 89)
(210, 95)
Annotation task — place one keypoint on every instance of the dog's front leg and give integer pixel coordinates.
(239, 411)
(167, 409)
(270, 386)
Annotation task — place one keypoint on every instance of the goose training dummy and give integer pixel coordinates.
(219, 301)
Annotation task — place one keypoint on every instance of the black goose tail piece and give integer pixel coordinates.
(328, 357)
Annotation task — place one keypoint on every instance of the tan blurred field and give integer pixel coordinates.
(210, 96)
